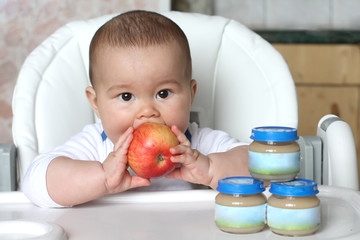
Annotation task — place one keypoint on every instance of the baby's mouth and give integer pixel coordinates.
(137, 124)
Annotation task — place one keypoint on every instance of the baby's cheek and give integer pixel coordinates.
(183, 125)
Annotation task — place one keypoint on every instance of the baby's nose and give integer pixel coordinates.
(148, 110)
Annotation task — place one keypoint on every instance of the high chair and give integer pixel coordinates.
(243, 82)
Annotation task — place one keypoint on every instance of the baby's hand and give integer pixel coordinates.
(195, 167)
(117, 178)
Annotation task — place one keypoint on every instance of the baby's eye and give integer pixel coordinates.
(126, 97)
(163, 94)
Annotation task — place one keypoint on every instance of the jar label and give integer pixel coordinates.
(274, 163)
(293, 219)
(240, 217)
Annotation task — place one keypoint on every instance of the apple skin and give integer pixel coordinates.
(149, 151)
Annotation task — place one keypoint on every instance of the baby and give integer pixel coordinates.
(140, 71)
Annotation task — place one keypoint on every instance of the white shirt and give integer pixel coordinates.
(89, 145)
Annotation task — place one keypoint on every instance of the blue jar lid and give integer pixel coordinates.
(240, 185)
(274, 134)
(295, 188)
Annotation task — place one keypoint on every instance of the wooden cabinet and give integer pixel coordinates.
(327, 78)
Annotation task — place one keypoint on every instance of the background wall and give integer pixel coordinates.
(292, 14)
(281, 14)
(24, 24)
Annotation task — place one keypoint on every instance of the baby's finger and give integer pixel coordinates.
(175, 130)
(137, 181)
(176, 174)
(180, 149)
(125, 139)
(188, 158)
(180, 136)
(184, 159)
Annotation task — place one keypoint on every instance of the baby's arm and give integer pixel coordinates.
(207, 170)
(71, 182)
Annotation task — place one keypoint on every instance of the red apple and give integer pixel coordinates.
(148, 153)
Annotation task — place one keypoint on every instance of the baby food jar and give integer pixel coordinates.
(240, 205)
(274, 155)
(293, 208)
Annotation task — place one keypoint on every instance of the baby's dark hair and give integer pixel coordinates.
(138, 29)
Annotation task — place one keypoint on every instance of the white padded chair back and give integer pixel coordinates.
(243, 82)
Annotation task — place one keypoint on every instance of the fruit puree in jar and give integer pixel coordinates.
(274, 155)
(293, 208)
(240, 205)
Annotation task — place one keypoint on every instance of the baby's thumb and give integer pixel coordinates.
(137, 181)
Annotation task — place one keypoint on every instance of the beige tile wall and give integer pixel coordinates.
(292, 14)
(24, 24)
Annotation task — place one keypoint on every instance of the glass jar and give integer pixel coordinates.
(274, 154)
(240, 205)
(293, 208)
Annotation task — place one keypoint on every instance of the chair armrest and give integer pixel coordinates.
(311, 158)
(7, 167)
(339, 152)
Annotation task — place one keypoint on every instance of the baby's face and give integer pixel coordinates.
(134, 85)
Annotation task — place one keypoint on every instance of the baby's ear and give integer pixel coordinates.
(91, 96)
(193, 88)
